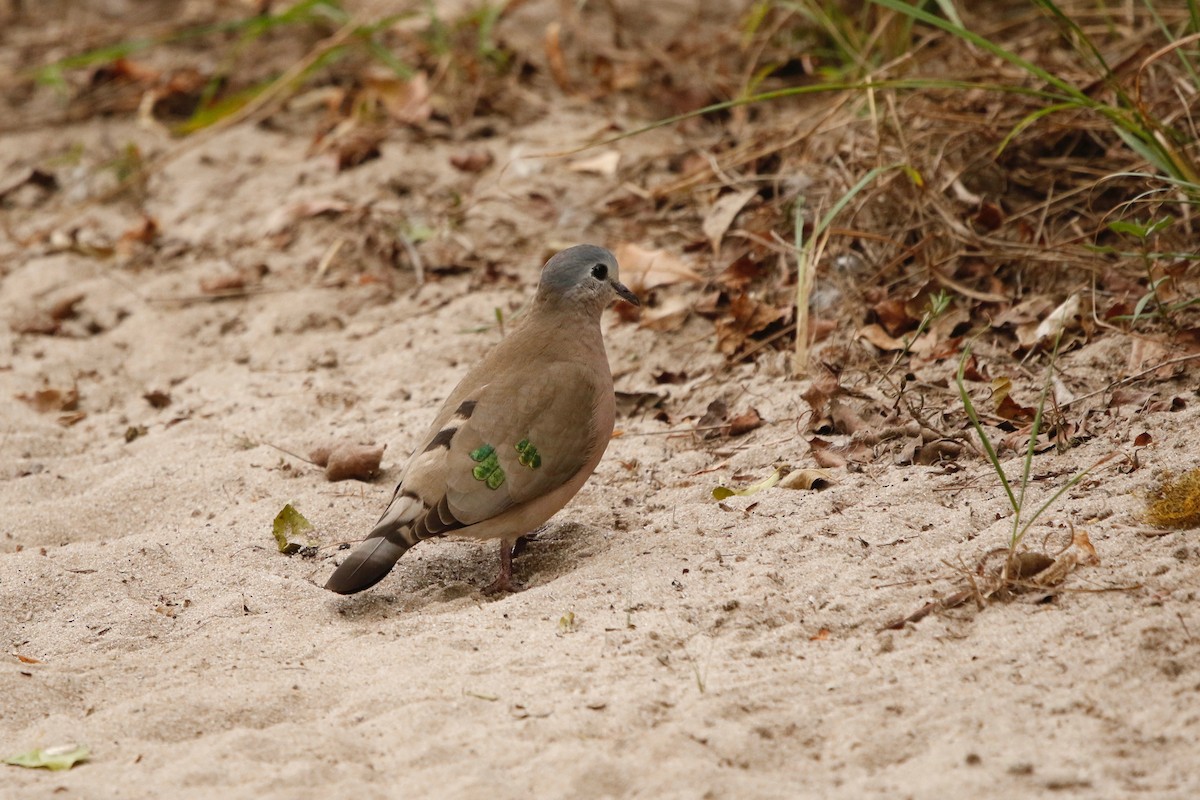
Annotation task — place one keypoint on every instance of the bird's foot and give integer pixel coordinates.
(503, 585)
(504, 581)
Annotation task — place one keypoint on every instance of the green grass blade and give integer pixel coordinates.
(978, 426)
(1069, 90)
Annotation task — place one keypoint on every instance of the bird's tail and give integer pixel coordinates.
(367, 565)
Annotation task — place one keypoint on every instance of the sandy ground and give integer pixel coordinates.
(716, 650)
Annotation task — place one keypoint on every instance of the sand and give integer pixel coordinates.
(665, 646)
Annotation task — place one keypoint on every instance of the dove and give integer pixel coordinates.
(520, 434)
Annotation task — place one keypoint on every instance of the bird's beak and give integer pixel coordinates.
(624, 293)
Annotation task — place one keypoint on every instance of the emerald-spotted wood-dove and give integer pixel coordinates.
(517, 437)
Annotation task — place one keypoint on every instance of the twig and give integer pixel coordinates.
(1169, 362)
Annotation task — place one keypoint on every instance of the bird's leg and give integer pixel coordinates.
(504, 581)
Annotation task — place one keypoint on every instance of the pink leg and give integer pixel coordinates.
(504, 581)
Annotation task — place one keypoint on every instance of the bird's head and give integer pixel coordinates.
(584, 274)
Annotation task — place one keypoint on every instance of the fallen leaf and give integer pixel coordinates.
(645, 269)
(830, 455)
(47, 400)
(285, 217)
(354, 461)
(722, 214)
(604, 163)
(749, 316)
(406, 101)
(745, 422)
(28, 176)
(473, 160)
(1081, 540)
(223, 284)
(1005, 406)
(289, 524)
(1176, 503)
(357, 146)
(807, 479)
(668, 316)
(157, 398)
(877, 336)
(723, 492)
(55, 758)
(48, 321)
(1059, 319)
(555, 58)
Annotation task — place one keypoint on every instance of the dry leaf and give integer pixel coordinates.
(877, 336)
(1059, 319)
(722, 214)
(223, 284)
(745, 422)
(285, 217)
(47, 400)
(644, 269)
(749, 316)
(354, 462)
(807, 479)
(604, 163)
(1081, 540)
(405, 101)
(669, 316)
(474, 160)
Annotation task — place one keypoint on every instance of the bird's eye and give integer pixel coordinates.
(599, 272)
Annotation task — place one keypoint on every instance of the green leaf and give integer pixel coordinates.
(56, 758)
(723, 492)
(289, 524)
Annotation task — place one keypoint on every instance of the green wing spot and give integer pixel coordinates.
(528, 455)
(488, 469)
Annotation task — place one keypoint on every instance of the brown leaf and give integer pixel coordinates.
(989, 217)
(1081, 540)
(223, 284)
(893, 316)
(880, 338)
(722, 214)
(357, 146)
(807, 479)
(48, 321)
(474, 160)
(285, 217)
(830, 456)
(354, 461)
(157, 398)
(745, 422)
(668, 316)
(31, 176)
(644, 269)
(714, 417)
(630, 403)
(406, 101)
(742, 271)
(603, 163)
(1009, 409)
(749, 316)
(144, 232)
(555, 58)
(1005, 406)
(46, 400)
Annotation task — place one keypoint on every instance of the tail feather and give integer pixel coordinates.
(367, 565)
